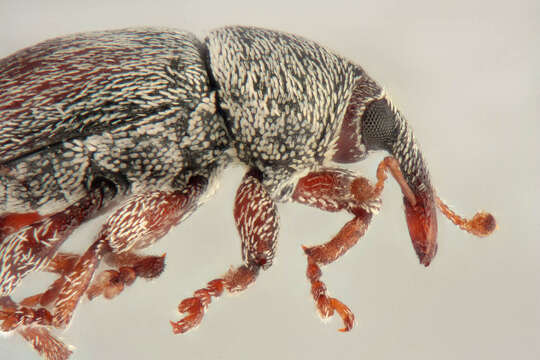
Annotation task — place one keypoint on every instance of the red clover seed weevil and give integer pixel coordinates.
(148, 118)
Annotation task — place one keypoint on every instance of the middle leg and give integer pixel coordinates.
(256, 219)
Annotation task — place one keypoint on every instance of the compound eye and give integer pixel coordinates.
(379, 126)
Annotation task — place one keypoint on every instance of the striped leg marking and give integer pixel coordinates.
(31, 247)
(256, 219)
(140, 222)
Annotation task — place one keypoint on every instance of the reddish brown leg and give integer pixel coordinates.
(14, 317)
(49, 347)
(9, 223)
(24, 313)
(33, 246)
(45, 344)
(336, 190)
(61, 264)
(256, 219)
(129, 266)
(327, 253)
(140, 222)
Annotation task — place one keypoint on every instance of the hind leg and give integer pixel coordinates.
(48, 346)
(141, 221)
(29, 242)
(30, 247)
(127, 267)
(61, 264)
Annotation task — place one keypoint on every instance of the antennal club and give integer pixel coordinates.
(481, 224)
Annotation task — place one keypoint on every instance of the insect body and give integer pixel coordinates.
(150, 117)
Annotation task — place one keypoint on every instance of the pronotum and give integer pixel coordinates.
(147, 118)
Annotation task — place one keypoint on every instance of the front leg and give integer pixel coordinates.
(337, 190)
(256, 219)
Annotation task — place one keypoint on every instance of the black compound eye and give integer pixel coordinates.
(378, 127)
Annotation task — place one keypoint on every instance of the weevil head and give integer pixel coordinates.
(380, 126)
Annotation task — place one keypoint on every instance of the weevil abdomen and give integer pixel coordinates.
(133, 106)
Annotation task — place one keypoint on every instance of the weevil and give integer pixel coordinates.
(142, 121)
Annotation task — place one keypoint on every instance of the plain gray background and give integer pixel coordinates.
(465, 73)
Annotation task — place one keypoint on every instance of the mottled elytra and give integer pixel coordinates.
(148, 118)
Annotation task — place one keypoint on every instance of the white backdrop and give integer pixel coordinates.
(462, 72)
